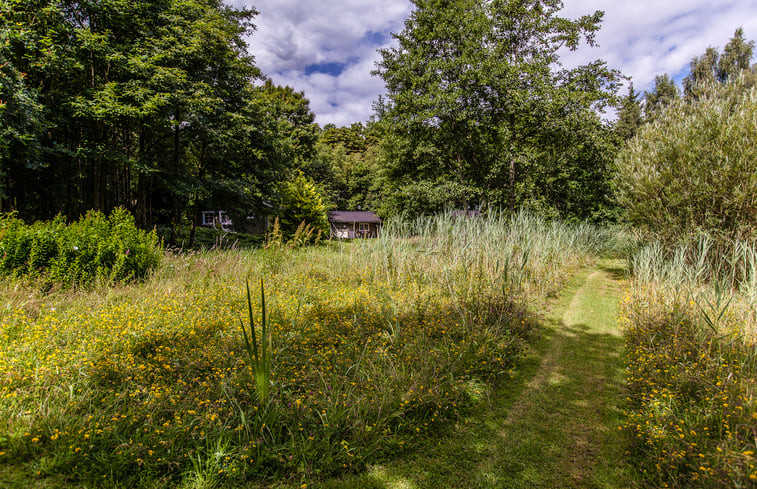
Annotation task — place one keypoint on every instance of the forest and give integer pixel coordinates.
(592, 325)
(158, 108)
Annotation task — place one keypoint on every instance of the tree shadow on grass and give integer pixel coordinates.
(617, 269)
(554, 424)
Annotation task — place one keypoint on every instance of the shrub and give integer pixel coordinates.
(693, 168)
(95, 247)
(301, 203)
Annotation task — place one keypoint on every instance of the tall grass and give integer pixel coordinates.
(503, 250)
(692, 357)
(375, 343)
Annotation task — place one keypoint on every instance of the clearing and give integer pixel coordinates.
(554, 425)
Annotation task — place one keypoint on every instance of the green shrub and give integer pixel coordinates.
(301, 203)
(93, 248)
(693, 168)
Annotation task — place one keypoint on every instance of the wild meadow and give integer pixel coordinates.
(691, 326)
(370, 346)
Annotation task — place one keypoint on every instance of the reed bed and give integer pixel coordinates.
(692, 363)
(371, 346)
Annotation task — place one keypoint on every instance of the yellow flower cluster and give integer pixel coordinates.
(692, 411)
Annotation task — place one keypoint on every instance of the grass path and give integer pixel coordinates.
(553, 425)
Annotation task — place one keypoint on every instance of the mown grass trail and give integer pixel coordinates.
(555, 424)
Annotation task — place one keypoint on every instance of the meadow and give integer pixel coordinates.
(691, 322)
(374, 345)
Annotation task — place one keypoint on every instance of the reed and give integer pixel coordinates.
(690, 327)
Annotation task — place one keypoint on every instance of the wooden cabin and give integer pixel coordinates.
(354, 224)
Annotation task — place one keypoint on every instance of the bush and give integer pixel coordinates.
(94, 248)
(301, 203)
(693, 168)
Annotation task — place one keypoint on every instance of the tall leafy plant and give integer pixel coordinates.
(259, 358)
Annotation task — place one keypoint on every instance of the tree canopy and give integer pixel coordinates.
(692, 169)
(476, 97)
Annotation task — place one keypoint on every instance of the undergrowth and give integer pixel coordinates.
(373, 344)
(692, 366)
(94, 248)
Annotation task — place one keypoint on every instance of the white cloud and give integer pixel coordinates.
(293, 35)
(643, 39)
(648, 38)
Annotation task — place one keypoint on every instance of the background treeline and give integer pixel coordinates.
(156, 106)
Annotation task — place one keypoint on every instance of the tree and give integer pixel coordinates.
(694, 169)
(663, 94)
(715, 67)
(21, 122)
(301, 203)
(736, 57)
(629, 116)
(353, 138)
(474, 87)
(290, 122)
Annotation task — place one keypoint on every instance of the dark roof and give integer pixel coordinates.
(354, 216)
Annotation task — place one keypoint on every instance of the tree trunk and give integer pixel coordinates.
(175, 199)
(141, 207)
(193, 229)
(97, 184)
(512, 186)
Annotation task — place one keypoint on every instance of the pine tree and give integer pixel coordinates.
(629, 116)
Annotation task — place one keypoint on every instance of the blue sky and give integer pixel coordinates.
(327, 48)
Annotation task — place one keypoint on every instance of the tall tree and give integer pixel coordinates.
(291, 121)
(713, 66)
(736, 57)
(21, 122)
(663, 94)
(629, 116)
(474, 86)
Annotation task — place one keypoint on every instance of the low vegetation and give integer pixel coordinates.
(690, 326)
(94, 248)
(372, 345)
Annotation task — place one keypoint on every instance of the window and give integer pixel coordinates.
(207, 218)
(363, 229)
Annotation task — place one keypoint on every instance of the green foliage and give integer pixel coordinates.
(475, 96)
(693, 168)
(712, 66)
(21, 119)
(289, 120)
(300, 203)
(354, 139)
(629, 115)
(350, 180)
(663, 94)
(95, 248)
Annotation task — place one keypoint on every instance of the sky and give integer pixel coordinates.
(328, 48)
